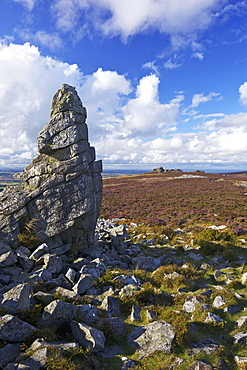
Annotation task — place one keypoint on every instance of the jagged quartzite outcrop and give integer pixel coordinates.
(61, 189)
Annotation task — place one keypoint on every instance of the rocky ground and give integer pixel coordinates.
(132, 301)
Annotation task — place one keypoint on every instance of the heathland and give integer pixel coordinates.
(187, 200)
(7, 179)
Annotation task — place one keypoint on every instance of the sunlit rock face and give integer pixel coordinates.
(61, 189)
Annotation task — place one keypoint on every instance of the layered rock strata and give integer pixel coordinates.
(58, 201)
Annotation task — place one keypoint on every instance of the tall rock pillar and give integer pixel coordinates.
(61, 189)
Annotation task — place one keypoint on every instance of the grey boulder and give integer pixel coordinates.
(14, 329)
(17, 298)
(88, 336)
(156, 336)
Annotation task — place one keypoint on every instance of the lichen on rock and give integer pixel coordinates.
(62, 187)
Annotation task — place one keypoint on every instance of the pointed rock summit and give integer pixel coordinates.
(58, 201)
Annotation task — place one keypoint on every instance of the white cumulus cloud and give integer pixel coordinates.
(145, 115)
(243, 93)
(128, 123)
(129, 17)
(27, 83)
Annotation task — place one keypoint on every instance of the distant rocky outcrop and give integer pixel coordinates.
(58, 201)
(161, 169)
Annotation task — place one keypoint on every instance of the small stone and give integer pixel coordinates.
(8, 259)
(129, 290)
(176, 363)
(62, 249)
(90, 270)
(132, 280)
(36, 360)
(38, 252)
(218, 274)
(232, 310)
(205, 307)
(151, 315)
(135, 314)
(116, 325)
(240, 337)
(4, 279)
(213, 318)
(41, 275)
(70, 275)
(241, 321)
(244, 278)
(195, 257)
(84, 283)
(219, 301)
(207, 293)
(112, 306)
(58, 312)
(64, 293)
(200, 365)
(205, 266)
(207, 345)
(191, 303)
(240, 360)
(88, 336)
(127, 364)
(24, 261)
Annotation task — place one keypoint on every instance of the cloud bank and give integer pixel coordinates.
(128, 124)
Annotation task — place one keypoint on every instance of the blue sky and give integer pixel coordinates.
(164, 81)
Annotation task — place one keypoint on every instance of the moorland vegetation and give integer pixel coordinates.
(174, 247)
(200, 212)
(175, 200)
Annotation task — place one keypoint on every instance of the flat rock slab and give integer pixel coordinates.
(207, 345)
(9, 353)
(58, 312)
(17, 298)
(14, 329)
(156, 336)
